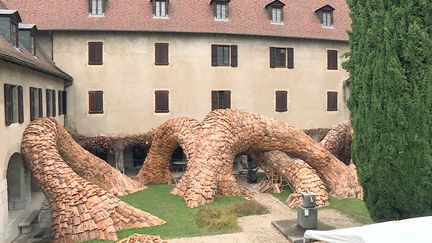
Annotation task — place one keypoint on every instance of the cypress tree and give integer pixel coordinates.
(390, 68)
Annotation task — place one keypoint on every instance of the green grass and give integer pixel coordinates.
(182, 220)
(351, 207)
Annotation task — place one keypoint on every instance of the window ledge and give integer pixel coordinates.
(277, 23)
(161, 17)
(327, 27)
(97, 15)
(221, 20)
(17, 49)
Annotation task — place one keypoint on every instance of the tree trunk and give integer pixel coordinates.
(80, 210)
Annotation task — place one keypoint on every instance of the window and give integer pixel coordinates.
(327, 19)
(95, 53)
(325, 15)
(281, 57)
(50, 103)
(275, 11)
(161, 53)
(32, 45)
(62, 102)
(97, 7)
(14, 34)
(160, 8)
(224, 55)
(276, 15)
(96, 102)
(332, 59)
(281, 101)
(161, 101)
(13, 103)
(36, 106)
(332, 101)
(221, 99)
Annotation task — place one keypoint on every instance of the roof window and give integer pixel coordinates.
(275, 11)
(325, 15)
(220, 9)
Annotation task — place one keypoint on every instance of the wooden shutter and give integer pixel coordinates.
(90, 6)
(227, 10)
(166, 6)
(32, 104)
(95, 51)
(272, 57)
(47, 99)
(64, 102)
(60, 102)
(40, 103)
(53, 98)
(234, 56)
(281, 101)
(332, 59)
(95, 102)
(20, 105)
(161, 53)
(290, 54)
(214, 60)
(8, 104)
(161, 101)
(332, 101)
(227, 99)
(214, 100)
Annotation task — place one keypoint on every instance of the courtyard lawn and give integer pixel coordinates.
(216, 218)
(352, 207)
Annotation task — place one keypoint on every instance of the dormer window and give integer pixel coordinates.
(275, 11)
(220, 8)
(160, 8)
(14, 34)
(325, 15)
(97, 7)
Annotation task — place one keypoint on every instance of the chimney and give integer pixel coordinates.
(9, 20)
(27, 36)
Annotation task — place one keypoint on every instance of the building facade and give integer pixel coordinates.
(137, 63)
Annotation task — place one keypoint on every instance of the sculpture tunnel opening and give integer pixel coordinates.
(178, 161)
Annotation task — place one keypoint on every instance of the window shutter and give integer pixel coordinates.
(272, 57)
(8, 104)
(227, 99)
(53, 97)
(214, 55)
(214, 100)
(227, 10)
(40, 103)
(20, 105)
(47, 99)
(95, 51)
(332, 101)
(161, 53)
(90, 6)
(92, 102)
(281, 101)
(166, 6)
(32, 104)
(64, 102)
(290, 63)
(234, 56)
(60, 101)
(332, 59)
(99, 101)
(161, 101)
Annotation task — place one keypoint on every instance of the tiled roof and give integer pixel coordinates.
(24, 58)
(246, 17)
(2, 5)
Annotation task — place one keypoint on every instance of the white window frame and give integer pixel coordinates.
(160, 9)
(327, 19)
(221, 11)
(277, 15)
(97, 8)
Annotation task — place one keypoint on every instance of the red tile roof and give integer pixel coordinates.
(24, 58)
(246, 17)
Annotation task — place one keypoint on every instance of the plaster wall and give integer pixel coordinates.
(11, 135)
(128, 78)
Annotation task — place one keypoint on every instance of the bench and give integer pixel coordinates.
(25, 224)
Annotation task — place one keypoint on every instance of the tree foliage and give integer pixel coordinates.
(390, 69)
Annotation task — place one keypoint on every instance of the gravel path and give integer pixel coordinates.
(258, 228)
